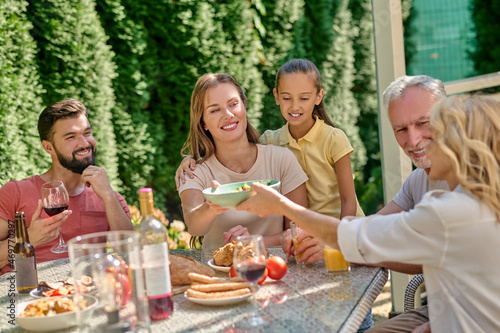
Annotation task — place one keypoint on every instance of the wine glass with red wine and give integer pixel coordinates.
(249, 260)
(55, 200)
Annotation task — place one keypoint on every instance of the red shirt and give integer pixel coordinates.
(88, 214)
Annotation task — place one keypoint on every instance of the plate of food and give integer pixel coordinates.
(53, 313)
(230, 195)
(207, 290)
(63, 288)
(217, 267)
(219, 301)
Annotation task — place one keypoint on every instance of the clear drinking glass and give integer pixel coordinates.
(249, 260)
(334, 261)
(296, 231)
(55, 200)
(111, 261)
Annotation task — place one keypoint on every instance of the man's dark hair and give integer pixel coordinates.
(68, 108)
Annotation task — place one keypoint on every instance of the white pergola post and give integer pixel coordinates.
(390, 64)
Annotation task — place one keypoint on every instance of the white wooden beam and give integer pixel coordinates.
(472, 83)
(390, 64)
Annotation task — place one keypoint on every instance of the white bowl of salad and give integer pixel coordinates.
(230, 195)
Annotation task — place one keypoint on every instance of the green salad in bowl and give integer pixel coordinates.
(230, 195)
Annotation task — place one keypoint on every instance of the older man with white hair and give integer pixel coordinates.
(408, 100)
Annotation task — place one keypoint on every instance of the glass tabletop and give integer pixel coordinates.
(306, 299)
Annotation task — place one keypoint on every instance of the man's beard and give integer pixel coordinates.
(75, 165)
(422, 163)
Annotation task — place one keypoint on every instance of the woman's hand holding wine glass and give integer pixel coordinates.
(249, 260)
(55, 199)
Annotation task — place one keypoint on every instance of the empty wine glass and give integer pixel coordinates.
(55, 200)
(249, 260)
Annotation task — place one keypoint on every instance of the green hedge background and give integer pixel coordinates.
(134, 63)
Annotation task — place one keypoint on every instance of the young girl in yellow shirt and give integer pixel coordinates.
(321, 149)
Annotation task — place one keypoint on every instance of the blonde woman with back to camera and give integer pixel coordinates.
(454, 235)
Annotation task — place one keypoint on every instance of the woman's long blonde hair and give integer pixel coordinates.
(466, 128)
(200, 143)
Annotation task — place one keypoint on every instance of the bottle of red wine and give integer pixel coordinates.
(25, 260)
(156, 263)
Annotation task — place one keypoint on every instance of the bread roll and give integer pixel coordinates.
(181, 266)
(218, 294)
(224, 255)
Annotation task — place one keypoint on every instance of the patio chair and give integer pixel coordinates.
(410, 291)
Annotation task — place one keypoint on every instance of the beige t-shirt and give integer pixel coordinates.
(272, 162)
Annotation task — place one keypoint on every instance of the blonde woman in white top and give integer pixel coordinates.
(454, 235)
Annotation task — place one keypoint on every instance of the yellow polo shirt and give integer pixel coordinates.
(317, 153)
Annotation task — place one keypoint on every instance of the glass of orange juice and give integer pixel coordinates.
(334, 261)
(296, 231)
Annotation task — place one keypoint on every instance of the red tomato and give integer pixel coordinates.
(232, 271)
(263, 278)
(276, 267)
